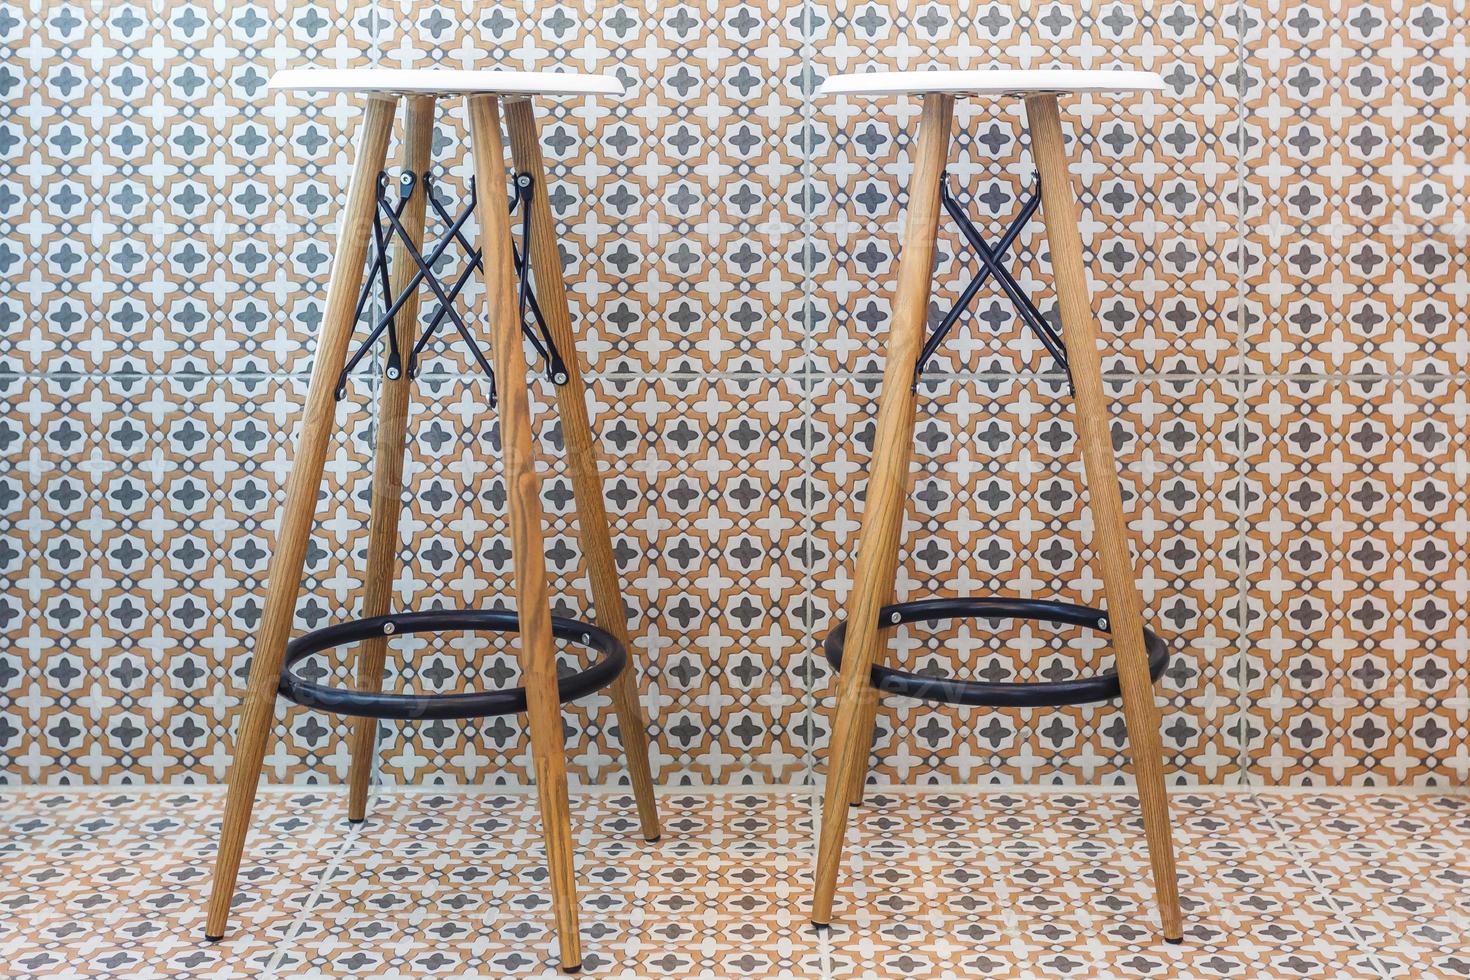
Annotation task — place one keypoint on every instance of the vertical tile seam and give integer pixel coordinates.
(807, 379)
(1242, 471)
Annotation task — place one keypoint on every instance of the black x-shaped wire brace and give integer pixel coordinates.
(391, 211)
(991, 265)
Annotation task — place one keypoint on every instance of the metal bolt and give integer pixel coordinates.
(895, 618)
(393, 374)
(389, 628)
(406, 179)
(1102, 624)
(561, 378)
(587, 638)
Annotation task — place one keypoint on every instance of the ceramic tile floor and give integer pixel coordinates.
(942, 883)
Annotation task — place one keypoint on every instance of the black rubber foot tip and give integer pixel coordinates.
(819, 926)
(213, 939)
(572, 969)
(1174, 942)
(856, 803)
(357, 819)
(654, 839)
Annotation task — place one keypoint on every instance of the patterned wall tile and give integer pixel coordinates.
(1155, 176)
(1357, 221)
(999, 508)
(46, 197)
(205, 196)
(166, 228)
(1358, 641)
(695, 477)
(674, 203)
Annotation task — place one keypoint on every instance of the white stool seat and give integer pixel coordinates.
(991, 81)
(443, 81)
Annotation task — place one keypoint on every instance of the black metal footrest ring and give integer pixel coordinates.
(1033, 694)
(433, 707)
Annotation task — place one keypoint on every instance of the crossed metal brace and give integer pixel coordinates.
(391, 211)
(991, 265)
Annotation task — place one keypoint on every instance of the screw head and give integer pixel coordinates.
(895, 618)
(405, 178)
(389, 629)
(1102, 624)
(393, 373)
(561, 378)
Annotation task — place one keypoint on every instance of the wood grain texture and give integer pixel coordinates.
(388, 450)
(581, 453)
(883, 510)
(857, 787)
(257, 717)
(1125, 609)
(522, 484)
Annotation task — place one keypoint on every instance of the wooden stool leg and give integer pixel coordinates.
(877, 561)
(867, 721)
(388, 451)
(538, 663)
(581, 450)
(1125, 609)
(310, 449)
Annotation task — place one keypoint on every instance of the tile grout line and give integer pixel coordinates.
(809, 379)
(1241, 721)
(1297, 853)
(288, 942)
(808, 421)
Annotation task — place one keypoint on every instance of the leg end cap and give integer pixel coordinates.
(213, 939)
(1174, 942)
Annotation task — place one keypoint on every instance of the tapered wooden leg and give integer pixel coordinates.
(581, 450)
(1125, 609)
(388, 450)
(887, 481)
(522, 484)
(867, 721)
(310, 449)
(868, 713)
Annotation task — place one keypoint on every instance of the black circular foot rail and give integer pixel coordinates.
(435, 707)
(1031, 694)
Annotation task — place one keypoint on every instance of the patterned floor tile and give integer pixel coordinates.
(1412, 908)
(155, 820)
(140, 914)
(939, 883)
(958, 823)
(645, 915)
(497, 823)
(1067, 914)
(1372, 823)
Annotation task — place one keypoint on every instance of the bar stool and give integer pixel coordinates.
(383, 213)
(853, 647)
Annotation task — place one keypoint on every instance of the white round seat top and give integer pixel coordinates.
(443, 81)
(992, 81)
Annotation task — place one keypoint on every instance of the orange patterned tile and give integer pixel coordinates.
(1357, 628)
(999, 508)
(1156, 176)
